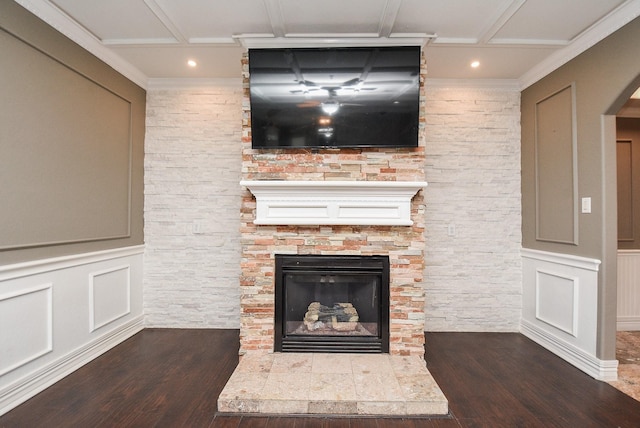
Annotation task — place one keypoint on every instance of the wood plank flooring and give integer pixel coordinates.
(172, 378)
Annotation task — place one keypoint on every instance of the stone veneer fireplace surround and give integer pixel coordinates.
(333, 224)
(322, 220)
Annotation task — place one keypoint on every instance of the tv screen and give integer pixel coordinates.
(335, 97)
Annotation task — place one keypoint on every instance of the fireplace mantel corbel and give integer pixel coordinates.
(384, 203)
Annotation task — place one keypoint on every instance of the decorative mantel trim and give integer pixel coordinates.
(384, 203)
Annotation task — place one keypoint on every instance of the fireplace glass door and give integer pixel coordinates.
(332, 303)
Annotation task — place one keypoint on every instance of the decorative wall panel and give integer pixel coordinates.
(65, 160)
(556, 301)
(109, 296)
(51, 311)
(555, 166)
(560, 308)
(26, 326)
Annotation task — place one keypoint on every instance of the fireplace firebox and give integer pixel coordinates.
(327, 303)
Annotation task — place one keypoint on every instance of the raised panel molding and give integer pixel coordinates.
(26, 317)
(63, 312)
(99, 149)
(560, 309)
(557, 300)
(109, 296)
(556, 171)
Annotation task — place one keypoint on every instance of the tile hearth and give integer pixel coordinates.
(332, 384)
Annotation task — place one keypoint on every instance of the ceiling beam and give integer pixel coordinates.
(157, 10)
(275, 17)
(388, 17)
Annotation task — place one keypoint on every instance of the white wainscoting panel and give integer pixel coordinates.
(557, 301)
(628, 290)
(560, 308)
(62, 313)
(109, 296)
(26, 320)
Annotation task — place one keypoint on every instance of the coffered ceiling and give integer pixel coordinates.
(512, 39)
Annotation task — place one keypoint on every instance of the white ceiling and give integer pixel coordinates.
(513, 39)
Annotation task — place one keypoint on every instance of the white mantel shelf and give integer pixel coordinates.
(384, 203)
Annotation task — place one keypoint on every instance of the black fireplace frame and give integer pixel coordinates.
(335, 265)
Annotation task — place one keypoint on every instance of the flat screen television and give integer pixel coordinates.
(335, 97)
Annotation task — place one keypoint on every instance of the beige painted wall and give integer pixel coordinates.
(604, 77)
(71, 154)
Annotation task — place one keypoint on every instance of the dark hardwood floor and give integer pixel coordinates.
(172, 378)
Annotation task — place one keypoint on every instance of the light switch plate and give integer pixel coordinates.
(586, 205)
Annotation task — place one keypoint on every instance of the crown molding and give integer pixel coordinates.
(610, 24)
(53, 16)
(80, 35)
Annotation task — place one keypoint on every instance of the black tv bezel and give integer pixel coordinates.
(385, 145)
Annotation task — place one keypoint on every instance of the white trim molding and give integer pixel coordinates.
(562, 289)
(560, 309)
(605, 370)
(36, 267)
(53, 16)
(40, 326)
(64, 312)
(562, 259)
(116, 289)
(622, 15)
(46, 376)
(386, 203)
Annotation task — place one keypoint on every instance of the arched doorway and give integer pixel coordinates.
(628, 203)
(607, 336)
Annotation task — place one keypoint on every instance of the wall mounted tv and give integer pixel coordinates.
(334, 97)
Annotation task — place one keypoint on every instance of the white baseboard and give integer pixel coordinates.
(605, 370)
(628, 324)
(16, 394)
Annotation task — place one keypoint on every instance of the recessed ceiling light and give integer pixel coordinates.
(475, 64)
(191, 63)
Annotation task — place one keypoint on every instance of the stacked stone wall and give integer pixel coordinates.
(403, 244)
